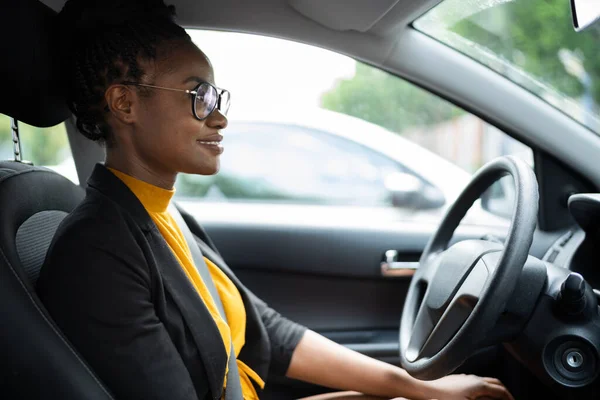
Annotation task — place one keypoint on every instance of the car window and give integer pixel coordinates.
(44, 147)
(268, 161)
(563, 68)
(311, 127)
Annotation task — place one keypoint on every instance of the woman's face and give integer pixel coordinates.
(164, 134)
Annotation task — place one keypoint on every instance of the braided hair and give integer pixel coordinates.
(102, 42)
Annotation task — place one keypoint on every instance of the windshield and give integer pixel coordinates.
(531, 42)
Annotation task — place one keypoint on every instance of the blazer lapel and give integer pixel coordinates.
(198, 319)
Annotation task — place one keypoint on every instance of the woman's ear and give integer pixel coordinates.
(121, 101)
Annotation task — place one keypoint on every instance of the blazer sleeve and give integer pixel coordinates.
(284, 336)
(98, 292)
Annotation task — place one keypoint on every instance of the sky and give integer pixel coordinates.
(267, 72)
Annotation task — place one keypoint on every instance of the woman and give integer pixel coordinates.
(154, 317)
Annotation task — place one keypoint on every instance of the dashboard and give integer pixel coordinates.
(577, 249)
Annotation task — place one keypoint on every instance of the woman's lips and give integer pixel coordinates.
(214, 146)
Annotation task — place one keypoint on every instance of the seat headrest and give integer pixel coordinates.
(30, 90)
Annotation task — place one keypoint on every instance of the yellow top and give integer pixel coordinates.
(156, 201)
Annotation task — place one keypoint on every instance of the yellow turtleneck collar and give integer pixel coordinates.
(154, 198)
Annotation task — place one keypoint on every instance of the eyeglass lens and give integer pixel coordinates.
(207, 99)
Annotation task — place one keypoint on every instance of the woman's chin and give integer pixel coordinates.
(205, 169)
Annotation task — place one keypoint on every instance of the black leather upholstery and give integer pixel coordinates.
(37, 361)
(33, 240)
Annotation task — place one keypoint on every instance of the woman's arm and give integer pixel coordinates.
(321, 361)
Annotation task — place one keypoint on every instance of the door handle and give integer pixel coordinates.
(391, 267)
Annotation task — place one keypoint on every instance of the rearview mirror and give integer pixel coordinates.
(584, 13)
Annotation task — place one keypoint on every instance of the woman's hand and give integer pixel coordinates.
(320, 361)
(469, 387)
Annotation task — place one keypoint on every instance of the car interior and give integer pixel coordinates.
(517, 303)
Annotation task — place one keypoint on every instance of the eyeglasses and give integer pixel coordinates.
(205, 98)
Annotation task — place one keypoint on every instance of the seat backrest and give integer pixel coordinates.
(33, 202)
(37, 361)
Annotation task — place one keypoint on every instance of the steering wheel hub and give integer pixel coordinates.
(453, 268)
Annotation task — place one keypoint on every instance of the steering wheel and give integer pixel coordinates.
(457, 294)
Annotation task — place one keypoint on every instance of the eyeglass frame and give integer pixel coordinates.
(193, 94)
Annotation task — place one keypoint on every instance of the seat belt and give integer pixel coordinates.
(233, 387)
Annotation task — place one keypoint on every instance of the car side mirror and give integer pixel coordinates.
(499, 198)
(585, 13)
(408, 191)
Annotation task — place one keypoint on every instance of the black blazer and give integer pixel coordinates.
(115, 289)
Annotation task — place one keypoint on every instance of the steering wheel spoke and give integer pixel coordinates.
(424, 324)
(459, 310)
(433, 329)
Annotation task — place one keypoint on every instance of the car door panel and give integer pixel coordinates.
(329, 278)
